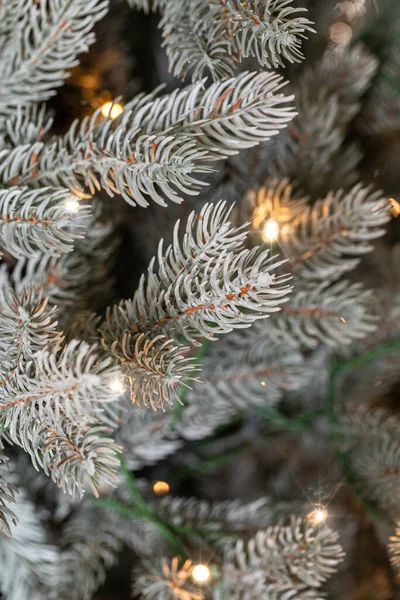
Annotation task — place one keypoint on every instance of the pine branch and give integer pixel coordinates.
(28, 124)
(146, 438)
(146, 5)
(252, 368)
(203, 414)
(314, 153)
(27, 327)
(7, 497)
(295, 559)
(342, 225)
(26, 557)
(46, 41)
(230, 516)
(155, 146)
(209, 286)
(269, 30)
(371, 440)
(333, 316)
(196, 41)
(90, 546)
(73, 383)
(76, 457)
(155, 368)
(227, 116)
(36, 222)
(77, 280)
(165, 579)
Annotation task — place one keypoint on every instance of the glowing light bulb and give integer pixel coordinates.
(71, 205)
(318, 516)
(111, 109)
(117, 386)
(160, 488)
(395, 212)
(201, 573)
(270, 231)
(340, 33)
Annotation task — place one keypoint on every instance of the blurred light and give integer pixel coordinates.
(318, 516)
(341, 33)
(111, 109)
(89, 81)
(352, 9)
(270, 231)
(71, 205)
(160, 488)
(395, 212)
(201, 573)
(117, 386)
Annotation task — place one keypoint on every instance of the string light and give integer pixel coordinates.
(160, 488)
(395, 211)
(111, 109)
(318, 516)
(117, 386)
(270, 231)
(201, 573)
(340, 33)
(71, 205)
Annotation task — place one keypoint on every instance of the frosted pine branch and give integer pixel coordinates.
(196, 41)
(45, 44)
(7, 497)
(75, 280)
(225, 117)
(165, 579)
(27, 558)
(372, 439)
(253, 370)
(208, 38)
(90, 545)
(342, 225)
(155, 368)
(207, 287)
(146, 437)
(155, 147)
(35, 222)
(270, 30)
(295, 559)
(73, 383)
(78, 458)
(27, 125)
(332, 316)
(27, 327)
(228, 516)
(146, 5)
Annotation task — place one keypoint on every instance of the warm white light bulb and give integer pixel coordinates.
(201, 573)
(270, 231)
(71, 206)
(318, 516)
(160, 488)
(111, 109)
(117, 386)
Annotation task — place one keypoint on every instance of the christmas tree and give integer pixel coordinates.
(199, 289)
